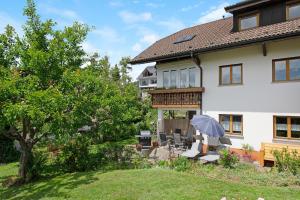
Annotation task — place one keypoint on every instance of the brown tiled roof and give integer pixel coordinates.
(212, 36)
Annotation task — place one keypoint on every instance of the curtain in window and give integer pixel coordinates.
(192, 77)
(166, 78)
(184, 78)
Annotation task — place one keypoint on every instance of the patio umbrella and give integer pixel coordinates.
(208, 126)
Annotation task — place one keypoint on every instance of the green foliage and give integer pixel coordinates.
(8, 152)
(45, 93)
(115, 73)
(181, 164)
(228, 159)
(38, 164)
(149, 121)
(286, 161)
(74, 155)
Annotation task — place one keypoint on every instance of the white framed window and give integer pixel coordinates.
(249, 21)
(192, 77)
(166, 79)
(173, 78)
(184, 78)
(293, 11)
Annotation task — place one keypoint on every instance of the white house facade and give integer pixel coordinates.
(244, 71)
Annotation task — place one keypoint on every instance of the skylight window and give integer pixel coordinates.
(184, 38)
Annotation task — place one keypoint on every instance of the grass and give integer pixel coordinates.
(248, 174)
(7, 171)
(155, 183)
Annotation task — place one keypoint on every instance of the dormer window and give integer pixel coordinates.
(293, 11)
(249, 21)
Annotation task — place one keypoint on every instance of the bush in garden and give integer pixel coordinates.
(286, 161)
(181, 164)
(228, 159)
(74, 155)
(139, 162)
(38, 164)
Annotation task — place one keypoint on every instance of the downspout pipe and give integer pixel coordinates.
(197, 61)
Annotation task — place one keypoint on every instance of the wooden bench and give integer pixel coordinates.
(268, 148)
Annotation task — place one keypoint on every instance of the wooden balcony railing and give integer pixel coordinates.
(177, 98)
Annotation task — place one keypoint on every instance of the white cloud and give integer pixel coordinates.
(108, 34)
(172, 24)
(137, 47)
(149, 38)
(89, 47)
(115, 3)
(154, 5)
(191, 7)
(213, 13)
(131, 18)
(63, 13)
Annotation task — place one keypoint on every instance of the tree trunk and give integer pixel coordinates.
(26, 161)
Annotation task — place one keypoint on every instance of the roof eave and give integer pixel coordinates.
(243, 5)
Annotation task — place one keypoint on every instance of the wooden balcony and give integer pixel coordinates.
(177, 98)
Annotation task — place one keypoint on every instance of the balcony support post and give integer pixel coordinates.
(160, 121)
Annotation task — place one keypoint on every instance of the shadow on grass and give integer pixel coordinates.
(59, 186)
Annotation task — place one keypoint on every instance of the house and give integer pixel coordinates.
(243, 70)
(147, 80)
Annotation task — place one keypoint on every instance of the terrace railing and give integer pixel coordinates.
(177, 98)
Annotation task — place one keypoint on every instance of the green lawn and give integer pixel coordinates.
(138, 184)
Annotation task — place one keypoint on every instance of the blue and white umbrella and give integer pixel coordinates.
(208, 126)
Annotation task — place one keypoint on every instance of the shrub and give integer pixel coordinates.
(286, 161)
(180, 164)
(163, 164)
(140, 162)
(228, 159)
(38, 164)
(74, 155)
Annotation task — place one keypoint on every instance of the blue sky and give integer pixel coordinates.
(122, 27)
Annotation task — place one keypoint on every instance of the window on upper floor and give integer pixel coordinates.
(144, 82)
(184, 78)
(293, 11)
(166, 79)
(192, 77)
(173, 78)
(153, 81)
(230, 74)
(286, 127)
(233, 124)
(248, 21)
(286, 69)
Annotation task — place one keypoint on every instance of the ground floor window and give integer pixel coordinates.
(287, 127)
(233, 124)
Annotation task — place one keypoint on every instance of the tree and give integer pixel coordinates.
(33, 101)
(115, 73)
(124, 64)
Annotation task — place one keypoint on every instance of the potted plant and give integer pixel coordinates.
(154, 141)
(138, 147)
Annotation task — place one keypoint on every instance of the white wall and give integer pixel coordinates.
(257, 99)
